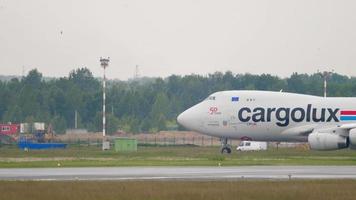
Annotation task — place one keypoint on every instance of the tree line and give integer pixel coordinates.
(140, 105)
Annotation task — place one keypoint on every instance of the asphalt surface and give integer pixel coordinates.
(181, 173)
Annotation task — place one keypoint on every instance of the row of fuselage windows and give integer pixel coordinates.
(214, 98)
(211, 98)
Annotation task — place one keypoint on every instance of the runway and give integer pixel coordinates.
(181, 173)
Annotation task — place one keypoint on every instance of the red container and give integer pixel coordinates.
(9, 129)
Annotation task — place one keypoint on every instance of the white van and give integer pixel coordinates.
(252, 146)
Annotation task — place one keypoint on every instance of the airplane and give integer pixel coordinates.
(326, 123)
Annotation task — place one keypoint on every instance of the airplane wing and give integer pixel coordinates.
(326, 137)
(307, 129)
(333, 137)
(301, 130)
(348, 126)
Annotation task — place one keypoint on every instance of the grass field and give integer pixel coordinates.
(251, 190)
(169, 156)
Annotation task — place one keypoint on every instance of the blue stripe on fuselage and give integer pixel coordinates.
(347, 118)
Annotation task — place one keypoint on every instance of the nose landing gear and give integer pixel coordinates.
(225, 147)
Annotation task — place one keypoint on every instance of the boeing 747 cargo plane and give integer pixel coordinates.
(325, 123)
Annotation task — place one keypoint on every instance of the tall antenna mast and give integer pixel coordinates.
(23, 71)
(75, 119)
(137, 73)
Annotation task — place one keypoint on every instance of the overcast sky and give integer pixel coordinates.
(167, 37)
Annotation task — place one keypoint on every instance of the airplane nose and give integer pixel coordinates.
(190, 119)
(182, 119)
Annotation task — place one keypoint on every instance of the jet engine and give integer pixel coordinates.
(327, 141)
(352, 138)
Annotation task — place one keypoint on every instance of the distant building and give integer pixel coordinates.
(76, 131)
(36, 127)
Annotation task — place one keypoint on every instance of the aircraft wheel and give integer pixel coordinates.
(226, 150)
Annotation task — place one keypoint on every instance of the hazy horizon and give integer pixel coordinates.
(8, 77)
(183, 37)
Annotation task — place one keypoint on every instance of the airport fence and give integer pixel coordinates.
(156, 141)
(153, 140)
(142, 141)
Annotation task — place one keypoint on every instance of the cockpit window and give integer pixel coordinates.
(211, 98)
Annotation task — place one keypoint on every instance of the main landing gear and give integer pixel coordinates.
(225, 147)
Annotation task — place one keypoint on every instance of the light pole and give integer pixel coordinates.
(326, 75)
(104, 62)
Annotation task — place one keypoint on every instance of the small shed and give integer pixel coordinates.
(125, 144)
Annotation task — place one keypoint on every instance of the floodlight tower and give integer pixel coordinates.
(104, 62)
(326, 75)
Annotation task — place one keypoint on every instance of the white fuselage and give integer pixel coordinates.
(265, 115)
